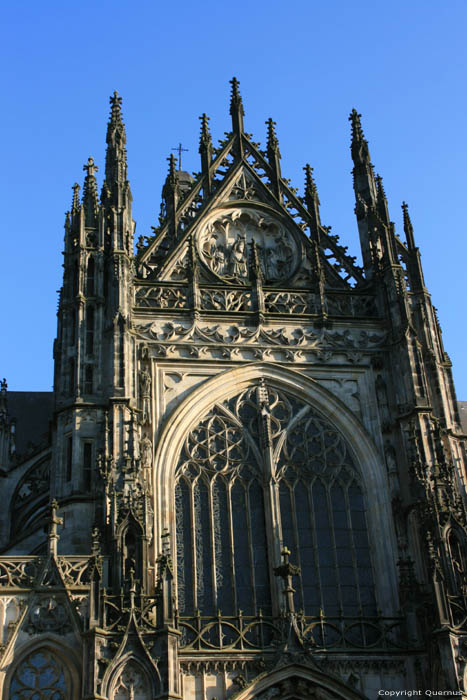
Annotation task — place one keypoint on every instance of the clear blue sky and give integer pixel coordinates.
(306, 63)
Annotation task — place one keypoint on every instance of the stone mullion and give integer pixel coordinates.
(297, 539)
(315, 542)
(250, 547)
(331, 526)
(232, 545)
(212, 545)
(352, 546)
(193, 546)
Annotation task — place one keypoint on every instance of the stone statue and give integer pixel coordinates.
(145, 392)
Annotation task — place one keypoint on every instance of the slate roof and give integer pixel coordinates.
(32, 411)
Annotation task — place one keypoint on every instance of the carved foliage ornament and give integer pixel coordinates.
(225, 242)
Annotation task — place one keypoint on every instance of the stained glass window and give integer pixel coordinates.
(41, 676)
(259, 453)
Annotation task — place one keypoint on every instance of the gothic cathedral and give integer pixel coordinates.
(253, 482)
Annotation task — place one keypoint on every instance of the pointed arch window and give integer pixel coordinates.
(260, 471)
(132, 684)
(42, 675)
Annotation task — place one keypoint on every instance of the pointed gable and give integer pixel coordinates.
(240, 199)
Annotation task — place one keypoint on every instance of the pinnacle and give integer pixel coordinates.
(408, 228)
(116, 109)
(380, 187)
(90, 202)
(235, 97)
(236, 107)
(310, 186)
(357, 131)
(273, 143)
(205, 137)
(75, 202)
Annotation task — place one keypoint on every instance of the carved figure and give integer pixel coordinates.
(145, 391)
(238, 262)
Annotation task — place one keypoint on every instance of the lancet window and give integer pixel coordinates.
(260, 471)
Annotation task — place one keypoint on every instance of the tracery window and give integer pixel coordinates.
(41, 676)
(262, 470)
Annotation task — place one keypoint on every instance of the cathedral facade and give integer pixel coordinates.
(253, 481)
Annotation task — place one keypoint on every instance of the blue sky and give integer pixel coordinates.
(305, 63)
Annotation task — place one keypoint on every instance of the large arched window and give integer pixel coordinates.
(262, 470)
(41, 675)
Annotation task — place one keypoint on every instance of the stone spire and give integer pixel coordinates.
(90, 202)
(312, 201)
(236, 108)
(115, 159)
(274, 156)
(364, 181)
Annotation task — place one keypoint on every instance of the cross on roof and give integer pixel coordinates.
(180, 149)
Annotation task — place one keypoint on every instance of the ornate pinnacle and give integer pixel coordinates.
(75, 202)
(236, 99)
(90, 193)
(236, 107)
(273, 143)
(172, 177)
(115, 157)
(408, 228)
(312, 200)
(310, 186)
(116, 110)
(359, 147)
(205, 139)
(381, 199)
